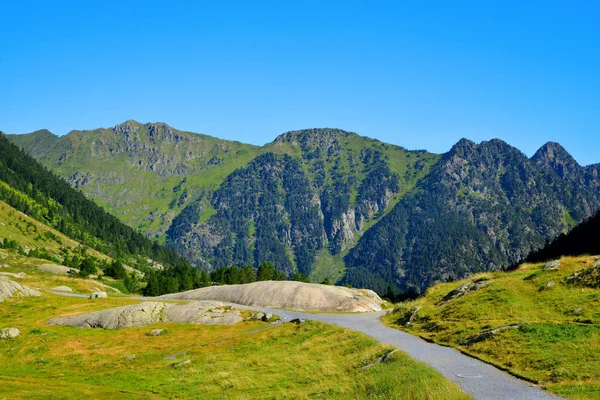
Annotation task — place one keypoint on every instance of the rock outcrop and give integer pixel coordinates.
(9, 333)
(464, 289)
(195, 312)
(58, 269)
(10, 289)
(289, 295)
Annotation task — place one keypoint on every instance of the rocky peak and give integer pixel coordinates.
(323, 140)
(554, 157)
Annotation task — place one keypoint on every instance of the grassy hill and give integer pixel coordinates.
(145, 174)
(554, 320)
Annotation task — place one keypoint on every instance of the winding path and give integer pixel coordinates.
(478, 379)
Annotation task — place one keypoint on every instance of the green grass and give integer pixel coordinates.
(555, 346)
(289, 361)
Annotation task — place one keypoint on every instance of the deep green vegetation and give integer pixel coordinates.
(32, 189)
(307, 198)
(583, 239)
(483, 207)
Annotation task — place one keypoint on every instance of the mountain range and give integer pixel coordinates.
(327, 203)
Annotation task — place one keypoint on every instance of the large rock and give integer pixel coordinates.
(290, 295)
(19, 275)
(464, 289)
(58, 269)
(196, 312)
(9, 333)
(98, 295)
(552, 265)
(62, 289)
(10, 289)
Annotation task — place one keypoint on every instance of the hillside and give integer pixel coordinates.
(302, 204)
(32, 189)
(583, 239)
(482, 207)
(145, 174)
(540, 322)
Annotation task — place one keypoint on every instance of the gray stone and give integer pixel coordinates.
(9, 289)
(156, 332)
(174, 356)
(62, 289)
(98, 295)
(288, 295)
(131, 357)
(58, 269)
(550, 284)
(146, 313)
(488, 334)
(257, 316)
(464, 289)
(19, 275)
(577, 310)
(268, 317)
(552, 265)
(380, 360)
(9, 333)
(183, 363)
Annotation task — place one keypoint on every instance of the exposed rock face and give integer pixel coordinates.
(9, 333)
(552, 265)
(290, 295)
(10, 289)
(464, 289)
(589, 277)
(196, 312)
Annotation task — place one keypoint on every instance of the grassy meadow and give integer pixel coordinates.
(557, 344)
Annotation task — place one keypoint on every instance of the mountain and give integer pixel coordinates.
(581, 240)
(143, 173)
(328, 203)
(33, 190)
(302, 203)
(482, 207)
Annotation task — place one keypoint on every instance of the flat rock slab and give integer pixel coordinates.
(19, 275)
(195, 312)
(58, 269)
(9, 289)
(62, 289)
(288, 295)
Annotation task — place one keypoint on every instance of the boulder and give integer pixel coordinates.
(58, 269)
(62, 289)
(488, 334)
(9, 289)
(550, 284)
(19, 275)
(288, 295)
(552, 265)
(156, 332)
(98, 295)
(9, 333)
(258, 316)
(464, 289)
(195, 312)
(183, 363)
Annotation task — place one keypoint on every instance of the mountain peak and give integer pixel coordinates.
(554, 157)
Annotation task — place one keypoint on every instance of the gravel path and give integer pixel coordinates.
(478, 379)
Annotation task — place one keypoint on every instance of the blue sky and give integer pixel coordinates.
(420, 74)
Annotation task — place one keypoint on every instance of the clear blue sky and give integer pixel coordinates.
(421, 74)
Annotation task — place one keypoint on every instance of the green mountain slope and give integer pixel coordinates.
(302, 204)
(143, 173)
(483, 207)
(30, 188)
